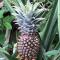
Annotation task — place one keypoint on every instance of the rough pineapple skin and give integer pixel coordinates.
(28, 45)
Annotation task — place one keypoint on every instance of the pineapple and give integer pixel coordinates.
(28, 40)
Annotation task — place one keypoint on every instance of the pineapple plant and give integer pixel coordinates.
(27, 19)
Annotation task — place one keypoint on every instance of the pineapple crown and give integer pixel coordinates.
(27, 16)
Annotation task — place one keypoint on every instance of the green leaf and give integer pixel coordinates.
(2, 37)
(11, 57)
(54, 53)
(24, 1)
(7, 25)
(40, 0)
(51, 53)
(8, 6)
(3, 51)
(49, 31)
(8, 19)
(59, 18)
(1, 13)
(3, 56)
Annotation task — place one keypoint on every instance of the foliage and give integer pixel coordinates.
(49, 29)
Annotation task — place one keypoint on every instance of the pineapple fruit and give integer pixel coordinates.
(28, 40)
(28, 45)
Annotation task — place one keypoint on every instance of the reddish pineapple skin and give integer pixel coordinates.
(28, 45)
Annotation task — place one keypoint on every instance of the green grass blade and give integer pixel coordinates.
(59, 18)
(48, 30)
